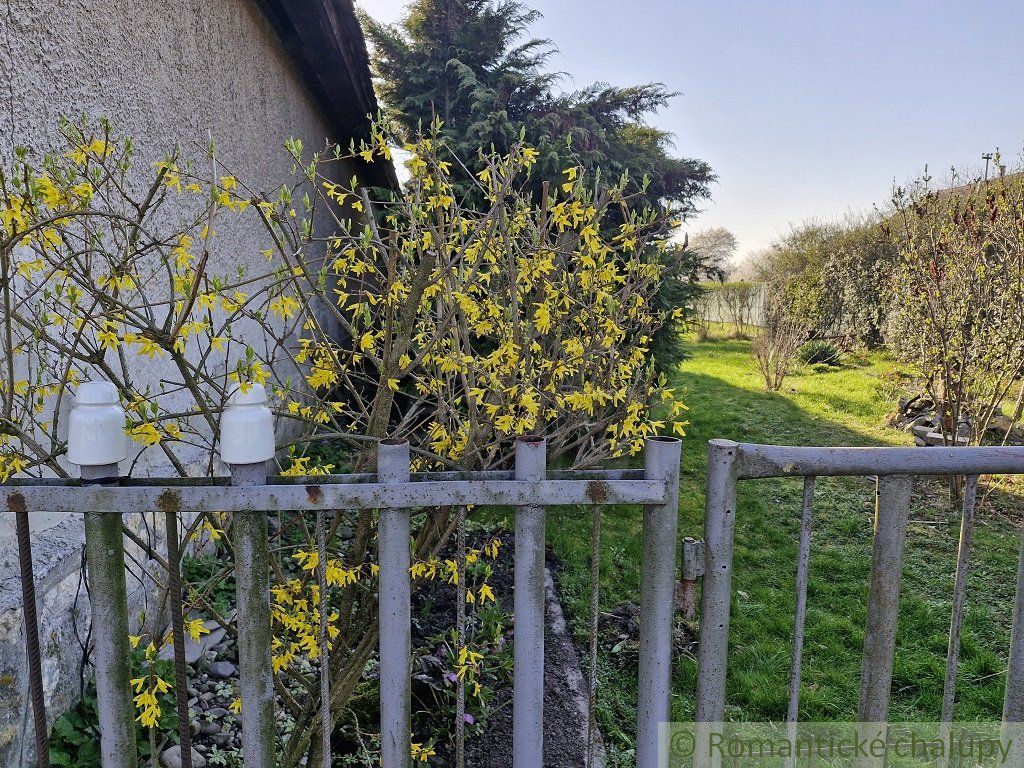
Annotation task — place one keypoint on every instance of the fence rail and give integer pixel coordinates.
(103, 497)
(730, 462)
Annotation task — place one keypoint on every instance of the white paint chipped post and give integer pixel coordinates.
(528, 607)
(96, 443)
(246, 445)
(657, 599)
(395, 615)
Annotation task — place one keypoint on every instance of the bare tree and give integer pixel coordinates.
(718, 246)
(738, 302)
(776, 346)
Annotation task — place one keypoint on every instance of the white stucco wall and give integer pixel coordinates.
(164, 73)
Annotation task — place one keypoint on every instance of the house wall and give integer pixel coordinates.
(164, 73)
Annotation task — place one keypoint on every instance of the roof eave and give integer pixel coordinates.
(326, 43)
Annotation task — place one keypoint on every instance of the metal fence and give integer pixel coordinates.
(895, 468)
(103, 497)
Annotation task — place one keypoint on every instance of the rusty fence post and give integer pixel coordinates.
(657, 599)
(171, 510)
(324, 640)
(963, 563)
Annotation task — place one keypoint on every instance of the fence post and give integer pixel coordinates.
(1013, 696)
(96, 443)
(395, 612)
(712, 654)
(528, 599)
(891, 514)
(657, 598)
(246, 444)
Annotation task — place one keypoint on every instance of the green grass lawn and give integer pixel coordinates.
(846, 406)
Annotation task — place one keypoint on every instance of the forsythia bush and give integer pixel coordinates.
(410, 316)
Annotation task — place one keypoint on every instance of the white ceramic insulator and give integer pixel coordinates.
(247, 427)
(96, 426)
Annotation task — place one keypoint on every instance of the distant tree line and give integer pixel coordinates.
(936, 276)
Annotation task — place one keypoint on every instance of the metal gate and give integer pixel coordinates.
(895, 468)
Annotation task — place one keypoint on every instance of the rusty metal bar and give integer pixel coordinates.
(395, 614)
(959, 598)
(336, 496)
(802, 577)
(252, 580)
(714, 609)
(657, 599)
(324, 640)
(108, 595)
(35, 674)
(461, 594)
(528, 599)
(178, 635)
(800, 615)
(692, 569)
(892, 512)
(758, 461)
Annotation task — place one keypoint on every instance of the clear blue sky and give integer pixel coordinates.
(804, 108)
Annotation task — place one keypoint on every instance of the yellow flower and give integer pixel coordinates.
(284, 306)
(195, 629)
(108, 338)
(422, 753)
(147, 434)
(96, 148)
(52, 196)
(149, 348)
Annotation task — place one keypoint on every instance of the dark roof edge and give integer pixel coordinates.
(326, 43)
